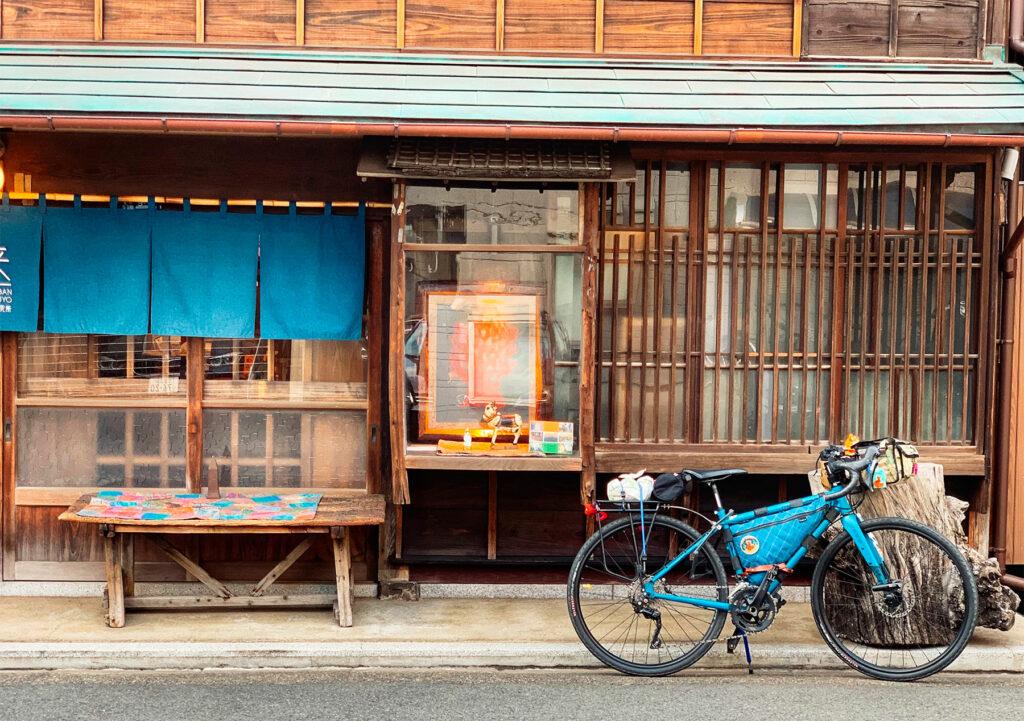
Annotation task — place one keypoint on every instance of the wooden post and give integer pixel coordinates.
(400, 22)
(375, 338)
(300, 22)
(492, 515)
(97, 19)
(10, 433)
(115, 578)
(396, 387)
(200, 21)
(599, 27)
(588, 342)
(194, 351)
(698, 26)
(342, 574)
(798, 31)
(499, 25)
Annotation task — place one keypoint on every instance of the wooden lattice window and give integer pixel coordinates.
(789, 303)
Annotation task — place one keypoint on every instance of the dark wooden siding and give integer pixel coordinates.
(897, 28)
(353, 23)
(539, 25)
(168, 20)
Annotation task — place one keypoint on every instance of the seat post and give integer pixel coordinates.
(718, 499)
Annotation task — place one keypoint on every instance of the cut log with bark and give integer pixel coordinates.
(923, 498)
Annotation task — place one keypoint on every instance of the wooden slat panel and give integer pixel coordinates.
(937, 28)
(764, 27)
(540, 25)
(50, 19)
(855, 28)
(450, 24)
(637, 26)
(168, 20)
(250, 21)
(41, 537)
(366, 23)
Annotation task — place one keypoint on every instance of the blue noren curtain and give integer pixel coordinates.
(21, 229)
(96, 271)
(311, 276)
(204, 274)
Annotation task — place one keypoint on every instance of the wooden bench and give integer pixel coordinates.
(334, 515)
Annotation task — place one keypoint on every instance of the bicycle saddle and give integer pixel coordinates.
(713, 476)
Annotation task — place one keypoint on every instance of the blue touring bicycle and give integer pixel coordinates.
(894, 599)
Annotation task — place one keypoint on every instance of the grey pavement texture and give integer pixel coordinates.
(69, 633)
(489, 694)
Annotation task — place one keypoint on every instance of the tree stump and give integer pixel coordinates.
(924, 499)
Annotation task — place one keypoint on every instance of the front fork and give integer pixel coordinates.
(864, 543)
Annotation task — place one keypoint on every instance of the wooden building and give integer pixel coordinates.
(695, 232)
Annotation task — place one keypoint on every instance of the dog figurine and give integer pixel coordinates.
(498, 423)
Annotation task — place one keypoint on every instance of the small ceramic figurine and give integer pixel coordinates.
(499, 423)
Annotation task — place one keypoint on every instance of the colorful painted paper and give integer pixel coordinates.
(551, 437)
(131, 505)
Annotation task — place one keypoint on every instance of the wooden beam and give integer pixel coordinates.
(401, 24)
(300, 22)
(156, 603)
(277, 571)
(599, 27)
(375, 339)
(499, 25)
(798, 31)
(97, 19)
(894, 21)
(189, 565)
(698, 26)
(200, 21)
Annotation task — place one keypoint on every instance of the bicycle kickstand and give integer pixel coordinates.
(734, 641)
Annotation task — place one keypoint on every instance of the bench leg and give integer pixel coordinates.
(342, 574)
(128, 562)
(115, 579)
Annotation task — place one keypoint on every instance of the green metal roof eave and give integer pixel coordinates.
(279, 85)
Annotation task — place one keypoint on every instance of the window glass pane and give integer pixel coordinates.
(109, 447)
(285, 449)
(293, 370)
(96, 366)
(960, 197)
(742, 195)
(490, 327)
(832, 197)
(521, 216)
(801, 197)
(677, 195)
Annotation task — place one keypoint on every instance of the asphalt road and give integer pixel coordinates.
(493, 694)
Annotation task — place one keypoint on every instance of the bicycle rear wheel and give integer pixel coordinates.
(912, 629)
(615, 620)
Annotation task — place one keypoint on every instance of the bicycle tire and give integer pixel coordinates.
(608, 572)
(875, 634)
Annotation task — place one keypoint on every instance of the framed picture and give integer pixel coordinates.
(479, 347)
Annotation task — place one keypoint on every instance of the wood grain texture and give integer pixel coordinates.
(456, 24)
(858, 28)
(937, 28)
(638, 26)
(250, 21)
(166, 21)
(539, 25)
(591, 221)
(48, 19)
(748, 28)
(355, 23)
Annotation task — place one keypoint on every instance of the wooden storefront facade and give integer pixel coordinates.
(740, 300)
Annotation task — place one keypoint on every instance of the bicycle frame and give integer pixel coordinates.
(837, 507)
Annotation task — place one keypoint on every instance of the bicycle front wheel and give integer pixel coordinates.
(905, 630)
(618, 623)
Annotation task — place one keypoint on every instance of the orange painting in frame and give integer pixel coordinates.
(480, 347)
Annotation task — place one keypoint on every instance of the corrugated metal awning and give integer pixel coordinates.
(284, 90)
(525, 160)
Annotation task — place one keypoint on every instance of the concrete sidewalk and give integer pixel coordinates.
(69, 633)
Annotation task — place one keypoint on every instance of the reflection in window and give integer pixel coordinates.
(522, 216)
